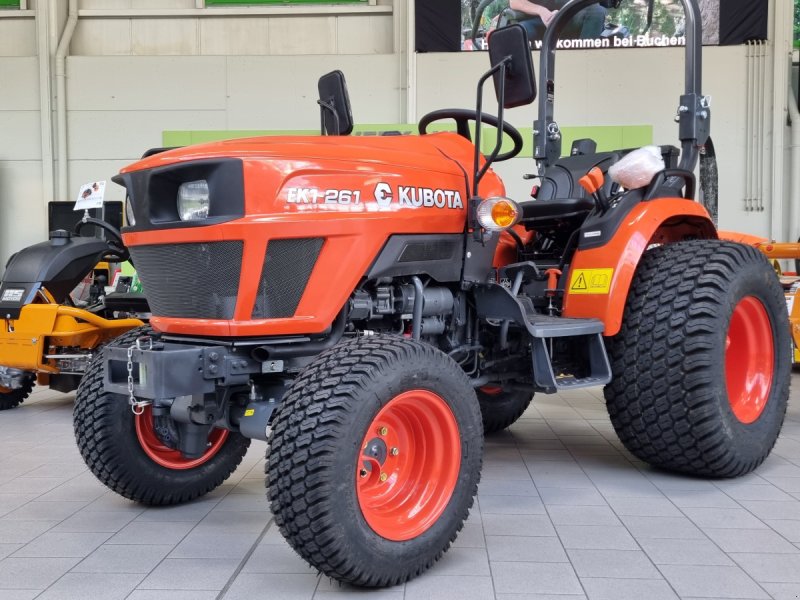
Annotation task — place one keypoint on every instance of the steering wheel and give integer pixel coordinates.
(117, 252)
(462, 117)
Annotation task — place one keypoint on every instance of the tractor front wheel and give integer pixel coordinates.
(501, 408)
(136, 455)
(374, 459)
(12, 398)
(702, 364)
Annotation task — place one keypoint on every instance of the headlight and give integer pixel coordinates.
(497, 214)
(193, 200)
(129, 217)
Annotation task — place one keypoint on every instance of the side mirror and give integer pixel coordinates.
(511, 44)
(334, 102)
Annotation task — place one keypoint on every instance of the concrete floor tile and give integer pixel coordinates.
(463, 562)
(470, 536)
(788, 529)
(724, 518)
(22, 532)
(628, 589)
(782, 591)
(618, 564)
(596, 537)
(749, 540)
(204, 544)
(277, 558)
(770, 568)
(705, 581)
(511, 505)
(235, 521)
(773, 510)
(538, 578)
(683, 552)
(662, 527)
(511, 525)
(507, 488)
(19, 594)
(644, 507)
(56, 544)
(146, 532)
(572, 496)
(86, 521)
(525, 549)
(190, 574)
(44, 511)
(711, 498)
(540, 597)
(172, 595)
(433, 587)
(97, 586)
(768, 493)
(32, 573)
(193, 511)
(582, 515)
(119, 558)
(326, 585)
(286, 587)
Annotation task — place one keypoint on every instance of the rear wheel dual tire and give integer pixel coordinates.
(701, 365)
(125, 452)
(374, 459)
(12, 398)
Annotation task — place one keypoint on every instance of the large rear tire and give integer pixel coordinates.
(501, 408)
(125, 452)
(374, 460)
(702, 364)
(12, 398)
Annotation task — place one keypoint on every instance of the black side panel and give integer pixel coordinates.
(191, 281)
(598, 229)
(287, 268)
(153, 193)
(58, 265)
(438, 256)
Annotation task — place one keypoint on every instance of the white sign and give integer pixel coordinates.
(91, 195)
(12, 295)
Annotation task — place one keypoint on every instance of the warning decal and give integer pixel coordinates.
(591, 281)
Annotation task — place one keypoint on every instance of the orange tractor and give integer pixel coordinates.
(373, 306)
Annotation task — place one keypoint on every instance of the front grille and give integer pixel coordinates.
(287, 268)
(190, 281)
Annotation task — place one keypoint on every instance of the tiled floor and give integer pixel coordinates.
(563, 513)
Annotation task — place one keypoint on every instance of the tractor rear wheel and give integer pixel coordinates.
(130, 453)
(13, 398)
(702, 364)
(374, 459)
(501, 408)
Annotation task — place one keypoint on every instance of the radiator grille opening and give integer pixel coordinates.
(190, 281)
(287, 268)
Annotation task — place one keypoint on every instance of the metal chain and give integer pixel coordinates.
(137, 406)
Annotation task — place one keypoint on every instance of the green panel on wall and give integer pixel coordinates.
(9, 3)
(222, 2)
(608, 137)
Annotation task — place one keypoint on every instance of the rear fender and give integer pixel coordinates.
(599, 278)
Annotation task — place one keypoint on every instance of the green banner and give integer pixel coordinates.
(608, 137)
(224, 2)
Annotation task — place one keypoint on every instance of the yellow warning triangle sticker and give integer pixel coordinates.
(580, 284)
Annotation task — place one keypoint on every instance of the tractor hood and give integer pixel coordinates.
(431, 152)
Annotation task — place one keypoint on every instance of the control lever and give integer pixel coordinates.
(593, 182)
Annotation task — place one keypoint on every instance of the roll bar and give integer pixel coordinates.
(694, 112)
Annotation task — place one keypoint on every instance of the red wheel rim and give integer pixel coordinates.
(167, 457)
(4, 390)
(749, 359)
(408, 468)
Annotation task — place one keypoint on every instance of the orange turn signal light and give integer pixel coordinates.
(497, 214)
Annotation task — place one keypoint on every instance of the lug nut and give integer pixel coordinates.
(395, 451)
(383, 431)
(362, 473)
(384, 477)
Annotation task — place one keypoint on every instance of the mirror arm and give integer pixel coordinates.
(479, 171)
(332, 108)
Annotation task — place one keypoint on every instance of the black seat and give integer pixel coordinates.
(561, 208)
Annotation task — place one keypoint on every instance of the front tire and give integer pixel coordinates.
(702, 363)
(125, 453)
(12, 398)
(374, 460)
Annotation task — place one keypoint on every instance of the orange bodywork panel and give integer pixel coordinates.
(392, 185)
(600, 278)
(25, 341)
